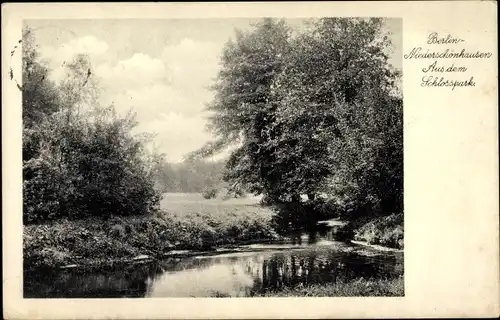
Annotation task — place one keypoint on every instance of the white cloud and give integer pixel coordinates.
(192, 62)
(188, 48)
(86, 45)
(57, 56)
(151, 100)
(168, 93)
(177, 134)
(140, 70)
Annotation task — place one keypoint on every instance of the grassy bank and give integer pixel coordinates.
(356, 288)
(98, 242)
(385, 231)
(186, 221)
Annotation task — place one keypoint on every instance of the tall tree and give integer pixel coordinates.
(242, 110)
(40, 96)
(340, 93)
(314, 113)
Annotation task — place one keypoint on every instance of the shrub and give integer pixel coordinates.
(117, 231)
(233, 193)
(386, 231)
(86, 166)
(323, 209)
(210, 193)
(120, 238)
(79, 159)
(266, 201)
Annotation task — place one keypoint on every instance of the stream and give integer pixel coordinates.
(305, 258)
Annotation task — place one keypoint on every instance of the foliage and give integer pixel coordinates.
(233, 193)
(40, 96)
(79, 159)
(315, 113)
(241, 112)
(335, 109)
(186, 226)
(344, 233)
(386, 231)
(210, 193)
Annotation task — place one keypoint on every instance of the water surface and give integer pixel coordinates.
(307, 258)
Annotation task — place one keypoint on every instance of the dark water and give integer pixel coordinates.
(305, 259)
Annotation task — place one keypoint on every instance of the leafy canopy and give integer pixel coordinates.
(312, 113)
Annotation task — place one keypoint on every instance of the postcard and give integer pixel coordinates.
(250, 160)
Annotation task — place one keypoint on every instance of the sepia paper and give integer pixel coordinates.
(450, 165)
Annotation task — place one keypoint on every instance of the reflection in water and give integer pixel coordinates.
(130, 282)
(238, 274)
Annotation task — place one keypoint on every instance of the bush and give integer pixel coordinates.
(78, 159)
(85, 166)
(233, 193)
(95, 240)
(298, 215)
(386, 231)
(210, 193)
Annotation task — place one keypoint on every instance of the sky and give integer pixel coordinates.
(160, 68)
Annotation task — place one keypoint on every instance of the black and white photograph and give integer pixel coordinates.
(212, 157)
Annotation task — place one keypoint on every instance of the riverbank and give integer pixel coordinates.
(95, 243)
(384, 231)
(187, 222)
(356, 288)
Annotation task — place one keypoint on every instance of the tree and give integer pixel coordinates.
(40, 97)
(334, 70)
(342, 75)
(79, 89)
(315, 113)
(39, 94)
(81, 159)
(242, 110)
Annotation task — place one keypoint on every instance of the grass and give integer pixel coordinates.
(357, 288)
(214, 222)
(185, 222)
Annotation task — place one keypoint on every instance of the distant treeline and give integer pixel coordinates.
(189, 176)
